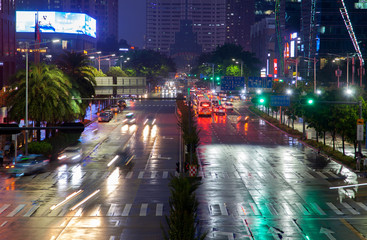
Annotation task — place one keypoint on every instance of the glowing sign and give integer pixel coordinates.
(362, 4)
(56, 22)
(275, 66)
(293, 48)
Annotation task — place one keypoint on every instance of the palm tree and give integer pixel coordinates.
(76, 66)
(49, 96)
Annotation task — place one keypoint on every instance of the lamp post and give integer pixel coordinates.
(27, 45)
(106, 57)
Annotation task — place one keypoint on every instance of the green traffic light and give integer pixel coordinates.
(211, 78)
(310, 101)
(262, 100)
(218, 78)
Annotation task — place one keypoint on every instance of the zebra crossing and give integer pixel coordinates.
(111, 210)
(327, 209)
(327, 175)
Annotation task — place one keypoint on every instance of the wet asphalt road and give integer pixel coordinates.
(259, 183)
(97, 199)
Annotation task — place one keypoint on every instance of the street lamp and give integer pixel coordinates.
(106, 57)
(289, 91)
(237, 62)
(27, 45)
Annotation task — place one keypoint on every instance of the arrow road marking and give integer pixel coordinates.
(327, 232)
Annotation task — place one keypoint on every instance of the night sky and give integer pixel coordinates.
(132, 21)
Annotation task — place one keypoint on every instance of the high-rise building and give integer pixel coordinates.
(163, 22)
(240, 15)
(7, 41)
(104, 11)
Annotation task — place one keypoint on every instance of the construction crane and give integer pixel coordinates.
(348, 24)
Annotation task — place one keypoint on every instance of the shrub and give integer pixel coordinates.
(44, 148)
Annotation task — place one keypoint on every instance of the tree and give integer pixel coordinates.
(49, 96)
(76, 66)
(96, 72)
(116, 72)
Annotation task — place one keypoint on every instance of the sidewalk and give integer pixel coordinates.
(311, 134)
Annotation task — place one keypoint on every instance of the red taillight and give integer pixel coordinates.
(205, 105)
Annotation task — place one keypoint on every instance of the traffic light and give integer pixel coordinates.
(9, 129)
(259, 100)
(177, 167)
(211, 78)
(307, 101)
(218, 78)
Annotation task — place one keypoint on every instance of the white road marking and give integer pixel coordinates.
(31, 211)
(349, 208)
(307, 175)
(143, 209)
(153, 174)
(302, 209)
(63, 212)
(4, 207)
(255, 209)
(79, 212)
(4, 223)
(159, 209)
(287, 209)
(165, 174)
(223, 209)
(362, 205)
(240, 209)
(129, 175)
(236, 175)
(16, 210)
(96, 211)
(335, 209)
(111, 210)
(141, 174)
(127, 209)
(321, 175)
(317, 208)
(112, 238)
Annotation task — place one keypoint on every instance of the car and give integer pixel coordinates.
(129, 121)
(150, 120)
(130, 115)
(243, 119)
(28, 164)
(115, 108)
(122, 103)
(104, 117)
(71, 154)
(219, 110)
(227, 106)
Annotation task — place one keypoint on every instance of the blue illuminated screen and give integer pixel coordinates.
(56, 22)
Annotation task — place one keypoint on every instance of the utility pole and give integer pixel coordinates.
(314, 74)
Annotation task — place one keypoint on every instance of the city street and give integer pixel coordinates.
(103, 197)
(259, 183)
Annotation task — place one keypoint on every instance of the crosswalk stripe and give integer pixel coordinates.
(223, 209)
(349, 208)
(4, 207)
(127, 209)
(261, 174)
(335, 209)
(271, 208)
(165, 174)
(287, 209)
(111, 210)
(143, 209)
(317, 208)
(159, 209)
(4, 223)
(153, 174)
(254, 209)
(141, 174)
(129, 175)
(321, 175)
(333, 174)
(32, 210)
(302, 209)
(96, 211)
(16, 210)
(240, 209)
(362, 205)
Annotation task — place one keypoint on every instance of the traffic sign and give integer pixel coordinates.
(232, 83)
(260, 82)
(280, 101)
(360, 121)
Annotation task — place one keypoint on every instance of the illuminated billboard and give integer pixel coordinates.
(56, 22)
